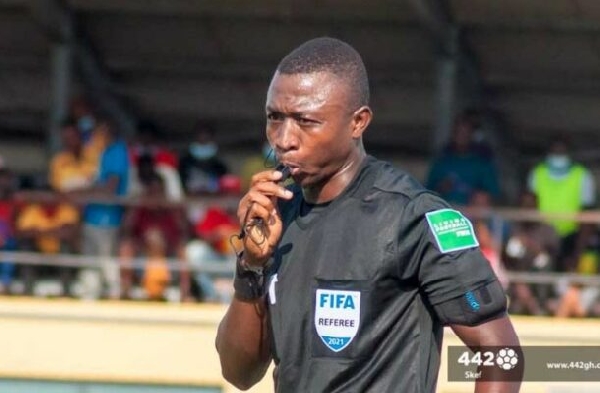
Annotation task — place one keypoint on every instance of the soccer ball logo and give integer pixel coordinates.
(507, 359)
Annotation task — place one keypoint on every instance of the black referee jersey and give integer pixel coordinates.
(354, 283)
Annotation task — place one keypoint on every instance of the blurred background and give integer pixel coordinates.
(129, 130)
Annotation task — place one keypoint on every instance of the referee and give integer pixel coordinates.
(348, 276)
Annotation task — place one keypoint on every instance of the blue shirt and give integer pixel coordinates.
(455, 177)
(113, 162)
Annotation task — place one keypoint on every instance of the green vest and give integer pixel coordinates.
(562, 195)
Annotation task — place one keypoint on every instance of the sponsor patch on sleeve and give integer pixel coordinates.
(452, 231)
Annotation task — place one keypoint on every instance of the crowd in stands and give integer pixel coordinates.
(465, 173)
(122, 201)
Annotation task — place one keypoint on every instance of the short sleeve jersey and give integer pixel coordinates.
(355, 287)
(68, 172)
(113, 162)
(34, 217)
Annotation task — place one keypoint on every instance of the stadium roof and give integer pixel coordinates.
(536, 63)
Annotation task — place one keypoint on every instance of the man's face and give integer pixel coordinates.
(462, 135)
(559, 148)
(310, 124)
(71, 139)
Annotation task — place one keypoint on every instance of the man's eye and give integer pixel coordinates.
(305, 121)
(274, 116)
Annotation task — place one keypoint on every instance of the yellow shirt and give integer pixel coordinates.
(34, 217)
(96, 145)
(68, 172)
(156, 278)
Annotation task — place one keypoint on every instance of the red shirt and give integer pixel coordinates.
(166, 220)
(7, 210)
(213, 219)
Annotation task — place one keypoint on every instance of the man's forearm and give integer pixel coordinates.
(243, 343)
(494, 333)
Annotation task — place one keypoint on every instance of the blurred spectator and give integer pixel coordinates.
(257, 163)
(479, 206)
(48, 227)
(216, 227)
(74, 167)
(578, 300)
(148, 156)
(216, 231)
(200, 168)
(139, 226)
(562, 186)
(8, 210)
(95, 134)
(156, 275)
(463, 167)
(532, 247)
(489, 249)
(102, 220)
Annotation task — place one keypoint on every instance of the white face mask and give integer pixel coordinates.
(86, 124)
(203, 151)
(558, 161)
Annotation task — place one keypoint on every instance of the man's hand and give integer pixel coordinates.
(259, 218)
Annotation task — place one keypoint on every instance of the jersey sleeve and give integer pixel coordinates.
(447, 263)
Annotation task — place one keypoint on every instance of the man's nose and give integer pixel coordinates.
(287, 139)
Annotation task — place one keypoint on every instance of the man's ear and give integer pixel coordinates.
(361, 119)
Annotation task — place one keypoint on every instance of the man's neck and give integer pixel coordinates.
(76, 152)
(337, 183)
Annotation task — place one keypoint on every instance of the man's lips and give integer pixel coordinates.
(295, 171)
(294, 168)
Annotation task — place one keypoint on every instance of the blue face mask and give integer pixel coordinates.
(203, 151)
(558, 162)
(86, 124)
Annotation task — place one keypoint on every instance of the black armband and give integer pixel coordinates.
(474, 307)
(248, 282)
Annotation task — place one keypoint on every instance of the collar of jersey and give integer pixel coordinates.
(358, 187)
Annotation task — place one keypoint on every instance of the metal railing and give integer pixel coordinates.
(497, 216)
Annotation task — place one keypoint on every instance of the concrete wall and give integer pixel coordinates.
(24, 157)
(174, 344)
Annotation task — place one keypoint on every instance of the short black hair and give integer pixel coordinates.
(148, 128)
(330, 55)
(559, 140)
(205, 126)
(68, 122)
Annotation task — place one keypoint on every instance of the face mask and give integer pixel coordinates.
(203, 151)
(558, 161)
(86, 124)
